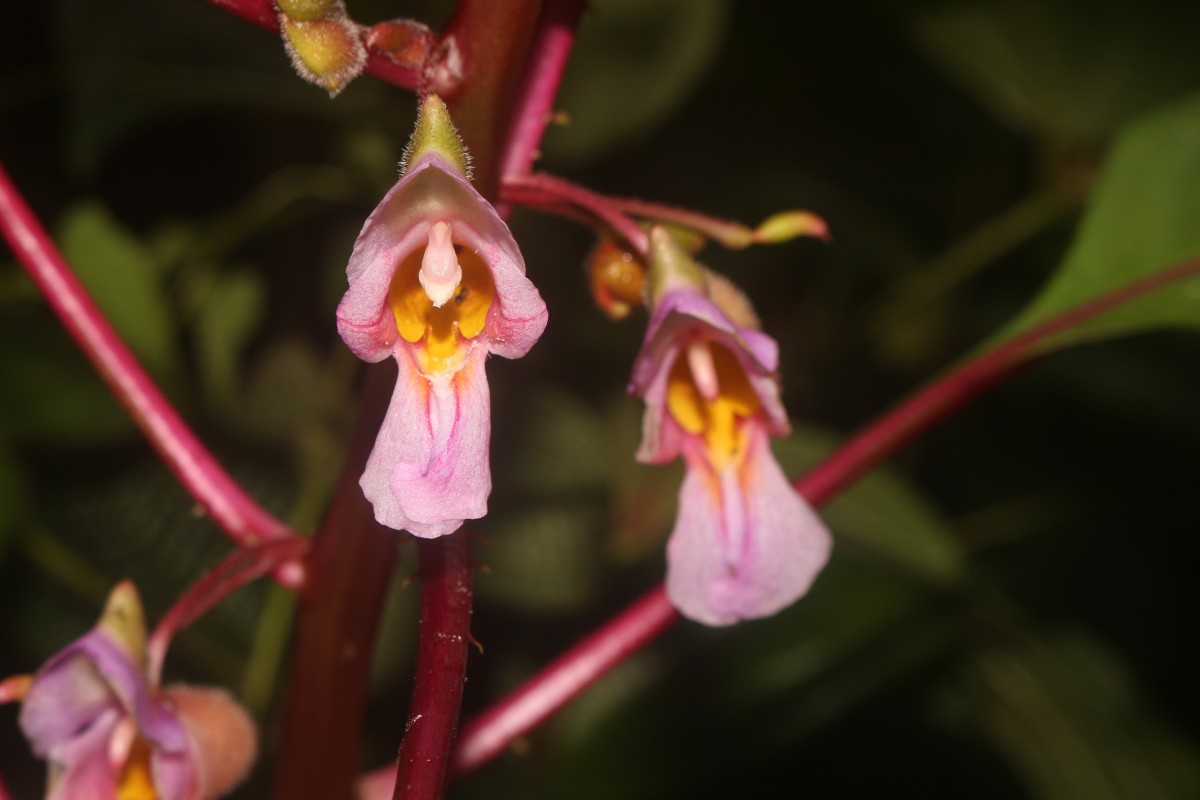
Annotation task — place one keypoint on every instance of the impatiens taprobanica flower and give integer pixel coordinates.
(436, 282)
(108, 735)
(745, 544)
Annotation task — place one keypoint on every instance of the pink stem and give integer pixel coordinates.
(551, 688)
(235, 571)
(263, 14)
(945, 396)
(547, 192)
(551, 47)
(232, 509)
(4, 793)
(486, 736)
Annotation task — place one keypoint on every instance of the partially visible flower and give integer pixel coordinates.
(436, 282)
(108, 735)
(745, 544)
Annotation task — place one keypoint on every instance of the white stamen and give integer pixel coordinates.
(440, 272)
(704, 371)
(121, 742)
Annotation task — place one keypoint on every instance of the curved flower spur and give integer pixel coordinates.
(438, 283)
(745, 544)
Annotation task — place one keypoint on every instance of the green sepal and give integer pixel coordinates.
(435, 131)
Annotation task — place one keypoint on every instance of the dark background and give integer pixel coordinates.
(1010, 611)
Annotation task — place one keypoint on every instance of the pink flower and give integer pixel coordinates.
(745, 544)
(106, 734)
(436, 282)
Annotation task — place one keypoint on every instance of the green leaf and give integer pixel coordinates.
(1142, 218)
(124, 281)
(1068, 718)
(225, 320)
(880, 514)
(1072, 71)
(635, 63)
(49, 392)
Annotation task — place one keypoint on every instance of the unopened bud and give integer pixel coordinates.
(404, 41)
(788, 225)
(327, 52)
(617, 279)
(223, 736)
(309, 10)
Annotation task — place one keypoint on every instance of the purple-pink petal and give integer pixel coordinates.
(430, 191)
(429, 468)
(745, 544)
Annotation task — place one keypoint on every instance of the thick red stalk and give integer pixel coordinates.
(555, 685)
(350, 568)
(262, 13)
(441, 668)
(491, 41)
(231, 508)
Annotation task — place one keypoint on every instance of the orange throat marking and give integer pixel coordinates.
(439, 332)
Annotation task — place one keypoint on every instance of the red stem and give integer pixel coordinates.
(232, 509)
(262, 13)
(441, 668)
(350, 568)
(4, 793)
(555, 685)
(230, 574)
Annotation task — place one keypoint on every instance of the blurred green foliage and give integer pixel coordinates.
(1010, 607)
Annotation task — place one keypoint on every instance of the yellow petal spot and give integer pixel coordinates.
(717, 419)
(135, 782)
(438, 331)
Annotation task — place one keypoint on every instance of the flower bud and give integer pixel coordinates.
(224, 741)
(617, 279)
(308, 10)
(327, 52)
(790, 224)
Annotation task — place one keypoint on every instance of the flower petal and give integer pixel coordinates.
(429, 469)
(432, 191)
(80, 767)
(745, 544)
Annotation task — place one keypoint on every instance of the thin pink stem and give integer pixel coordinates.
(235, 571)
(551, 688)
(946, 395)
(4, 793)
(547, 192)
(486, 736)
(263, 14)
(232, 509)
(441, 668)
(551, 47)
